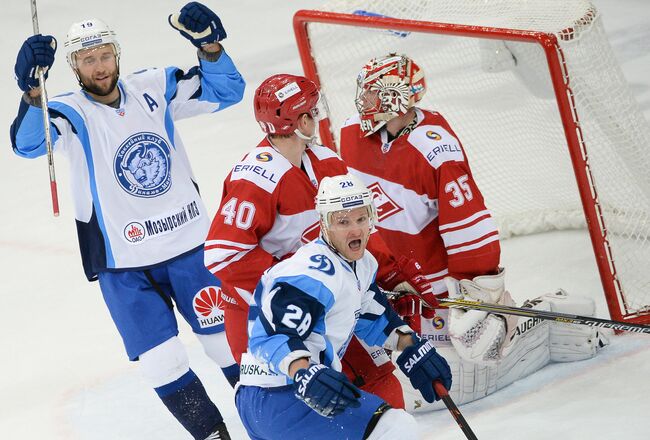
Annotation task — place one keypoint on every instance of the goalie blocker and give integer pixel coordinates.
(485, 354)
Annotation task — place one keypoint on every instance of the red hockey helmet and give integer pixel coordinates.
(387, 87)
(281, 99)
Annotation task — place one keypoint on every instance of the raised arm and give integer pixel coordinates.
(215, 80)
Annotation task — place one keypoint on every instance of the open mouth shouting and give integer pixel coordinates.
(354, 245)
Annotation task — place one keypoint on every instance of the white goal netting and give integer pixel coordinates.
(498, 96)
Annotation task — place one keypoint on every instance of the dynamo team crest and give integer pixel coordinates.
(142, 165)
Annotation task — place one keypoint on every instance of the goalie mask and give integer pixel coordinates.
(344, 226)
(280, 101)
(387, 87)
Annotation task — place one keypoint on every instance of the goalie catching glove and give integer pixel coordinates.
(325, 390)
(423, 365)
(480, 336)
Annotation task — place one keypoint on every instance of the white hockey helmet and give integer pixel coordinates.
(87, 34)
(342, 193)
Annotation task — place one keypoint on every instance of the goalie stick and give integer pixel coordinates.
(534, 313)
(46, 121)
(542, 314)
(453, 409)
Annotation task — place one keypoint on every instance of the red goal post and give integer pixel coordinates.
(334, 45)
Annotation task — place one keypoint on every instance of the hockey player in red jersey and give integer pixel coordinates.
(431, 210)
(267, 212)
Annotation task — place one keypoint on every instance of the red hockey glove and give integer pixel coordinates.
(429, 312)
(405, 304)
(408, 278)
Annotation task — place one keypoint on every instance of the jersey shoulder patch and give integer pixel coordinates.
(263, 166)
(436, 144)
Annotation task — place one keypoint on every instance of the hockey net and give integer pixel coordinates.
(534, 92)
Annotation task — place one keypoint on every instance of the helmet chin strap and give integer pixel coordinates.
(310, 139)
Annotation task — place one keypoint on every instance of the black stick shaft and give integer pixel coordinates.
(455, 412)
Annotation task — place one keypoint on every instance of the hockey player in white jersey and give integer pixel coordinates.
(304, 313)
(140, 220)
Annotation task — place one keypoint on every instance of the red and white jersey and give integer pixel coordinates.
(266, 213)
(428, 204)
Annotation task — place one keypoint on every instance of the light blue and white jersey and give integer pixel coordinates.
(310, 305)
(136, 200)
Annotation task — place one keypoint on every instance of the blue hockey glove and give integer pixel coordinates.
(325, 390)
(199, 24)
(37, 51)
(422, 365)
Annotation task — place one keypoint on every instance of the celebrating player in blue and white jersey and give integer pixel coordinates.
(304, 312)
(140, 219)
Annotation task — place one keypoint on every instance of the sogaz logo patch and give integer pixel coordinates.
(433, 135)
(142, 165)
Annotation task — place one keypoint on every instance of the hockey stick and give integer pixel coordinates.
(46, 121)
(542, 314)
(453, 409)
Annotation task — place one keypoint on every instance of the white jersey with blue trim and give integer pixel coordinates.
(310, 305)
(136, 200)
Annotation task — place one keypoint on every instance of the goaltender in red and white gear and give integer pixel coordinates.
(435, 214)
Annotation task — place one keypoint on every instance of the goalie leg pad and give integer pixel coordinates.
(527, 350)
(471, 382)
(395, 423)
(570, 342)
(164, 363)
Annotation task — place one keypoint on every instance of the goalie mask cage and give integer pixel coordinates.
(533, 91)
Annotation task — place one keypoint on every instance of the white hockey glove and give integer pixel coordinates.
(480, 336)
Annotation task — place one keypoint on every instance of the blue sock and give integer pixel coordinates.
(187, 400)
(232, 374)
